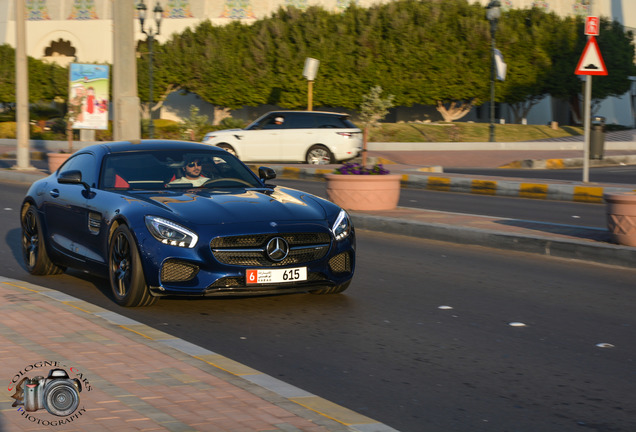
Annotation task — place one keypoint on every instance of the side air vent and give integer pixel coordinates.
(94, 222)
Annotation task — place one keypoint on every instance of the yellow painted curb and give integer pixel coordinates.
(439, 183)
(435, 168)
(228, 365)
(147, 331)
(554, 163)
(331, 410)
(484, 187)
(384, 161)
(290, 173)
(588, 194)
(533, 190)
(513, 164)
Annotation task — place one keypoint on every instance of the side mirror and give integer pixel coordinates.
(72, 177)
(266, 173)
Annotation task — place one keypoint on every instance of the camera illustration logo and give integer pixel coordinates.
(58, 393)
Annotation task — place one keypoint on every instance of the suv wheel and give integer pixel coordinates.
(319, 155)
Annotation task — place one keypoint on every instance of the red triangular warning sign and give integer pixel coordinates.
(591, 62)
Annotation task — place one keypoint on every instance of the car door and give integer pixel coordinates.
(65, 210)
(261, 142)
(297, 136)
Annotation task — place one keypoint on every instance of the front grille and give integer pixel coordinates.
(341, 263)
(260, 240)
(250, 251)
(178, 271)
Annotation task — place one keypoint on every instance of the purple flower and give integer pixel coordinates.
(350, 168)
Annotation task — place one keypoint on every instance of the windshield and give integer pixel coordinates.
(155, 170)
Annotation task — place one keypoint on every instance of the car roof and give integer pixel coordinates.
(307, 112)
(153, 144)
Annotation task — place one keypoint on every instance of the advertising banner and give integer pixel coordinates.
(88, 96)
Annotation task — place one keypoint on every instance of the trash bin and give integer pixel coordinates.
(597, 137)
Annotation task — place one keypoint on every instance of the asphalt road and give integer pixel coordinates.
(422, 340)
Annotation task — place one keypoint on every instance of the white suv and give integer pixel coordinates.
(292, 136)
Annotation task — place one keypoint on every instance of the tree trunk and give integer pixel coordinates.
(220, 113)
(454, 112)
(69, 135)
(365, 137)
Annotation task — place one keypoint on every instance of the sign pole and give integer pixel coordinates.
(310, 95)
(309, 72)
(586, 128)
(590, 63)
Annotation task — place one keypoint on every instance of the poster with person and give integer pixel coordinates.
(88, 96)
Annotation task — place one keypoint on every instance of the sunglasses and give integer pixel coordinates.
(193, 164)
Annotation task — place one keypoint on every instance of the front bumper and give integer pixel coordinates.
(200, 273)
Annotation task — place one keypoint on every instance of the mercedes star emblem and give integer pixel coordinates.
(277, 249)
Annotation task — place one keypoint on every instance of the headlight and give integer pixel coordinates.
(170, 233)
(342, 228)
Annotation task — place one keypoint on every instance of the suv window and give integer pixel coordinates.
(269, 122)
(303, 120)
(299, 121)
(325, 121)
(314, 121)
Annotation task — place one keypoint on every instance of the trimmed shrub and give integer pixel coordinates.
(7, 130)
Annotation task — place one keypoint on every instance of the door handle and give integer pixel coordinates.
(54, 193)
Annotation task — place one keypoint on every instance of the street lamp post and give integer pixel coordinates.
(493, 12)
(150, 33)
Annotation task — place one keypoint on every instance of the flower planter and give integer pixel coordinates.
(621, 217)
(55, 160)
(364, 192)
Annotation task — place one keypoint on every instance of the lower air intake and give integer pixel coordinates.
(178, 271)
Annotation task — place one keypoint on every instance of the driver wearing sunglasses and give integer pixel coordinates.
(191, 173)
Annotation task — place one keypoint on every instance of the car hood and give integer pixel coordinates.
(205, 207)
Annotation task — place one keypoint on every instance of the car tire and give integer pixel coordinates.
(125, 272)
(319, 155)
(34, 254)
(332, 290)
(228, 148)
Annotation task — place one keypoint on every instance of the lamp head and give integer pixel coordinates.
(493, 10)
(141, 10)
(158, 15)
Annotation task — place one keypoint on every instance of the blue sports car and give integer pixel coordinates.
(164, 218)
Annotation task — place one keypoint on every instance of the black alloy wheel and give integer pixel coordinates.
(34, 253)
(125, 273)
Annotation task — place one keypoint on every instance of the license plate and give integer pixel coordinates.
(263, 276)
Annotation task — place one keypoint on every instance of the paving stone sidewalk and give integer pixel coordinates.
(135, 378)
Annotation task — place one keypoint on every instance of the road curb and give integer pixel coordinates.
(481, 185)
(562, 163)
(601, 253)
